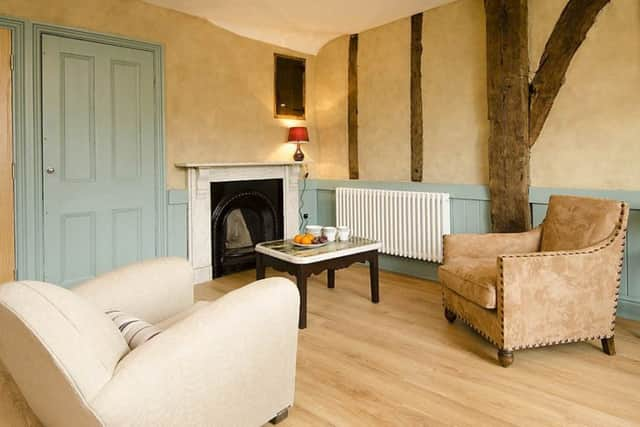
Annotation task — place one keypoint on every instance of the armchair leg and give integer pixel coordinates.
(282, 415)
(505, 357)
(450, 315)
(609, 346)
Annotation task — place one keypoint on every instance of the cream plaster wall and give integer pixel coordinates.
(383, 102)
(454, 91)
(219, 86)
(454, 99)
(590, 139)
(219, 91)
(331, 109)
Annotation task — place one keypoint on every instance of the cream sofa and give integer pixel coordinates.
(230, 362)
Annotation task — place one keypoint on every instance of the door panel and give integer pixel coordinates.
(127, 236)
(127, 141)
(7, 248)
(99, 158)
(77, 248)
(77, 142)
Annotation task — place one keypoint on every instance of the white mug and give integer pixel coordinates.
(343, 233)
(315, 230)
(330, 233)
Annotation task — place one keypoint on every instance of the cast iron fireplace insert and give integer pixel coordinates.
(243, 213)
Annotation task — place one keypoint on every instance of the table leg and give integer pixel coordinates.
(260, 269)
(301, 278)
(331, 278)
(373, 274)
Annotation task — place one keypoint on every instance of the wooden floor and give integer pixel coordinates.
(399, 363)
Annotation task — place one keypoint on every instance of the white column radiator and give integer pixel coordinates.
(408, 223)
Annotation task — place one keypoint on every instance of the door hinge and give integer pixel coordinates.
(11, 59)
(13, 171)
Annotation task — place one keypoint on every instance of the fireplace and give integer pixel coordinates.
(243, 213)
(199, 210)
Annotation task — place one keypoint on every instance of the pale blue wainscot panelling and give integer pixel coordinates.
(177, 223)
(470, 214)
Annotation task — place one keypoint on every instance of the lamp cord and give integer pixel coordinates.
(303, 220)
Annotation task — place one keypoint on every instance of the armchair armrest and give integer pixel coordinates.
(232, 362)
(564, 296)
(152, 290)
(490, 245)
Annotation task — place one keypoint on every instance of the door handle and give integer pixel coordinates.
(50, 170)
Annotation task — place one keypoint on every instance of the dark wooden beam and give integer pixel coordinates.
(568, 34)
(354, 172)
(417, 137)
(508, 106)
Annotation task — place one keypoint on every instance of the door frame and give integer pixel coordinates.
(27, 138)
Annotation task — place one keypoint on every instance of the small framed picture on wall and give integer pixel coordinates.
(289, 78)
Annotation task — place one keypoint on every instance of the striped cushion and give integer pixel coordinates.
(135, 331)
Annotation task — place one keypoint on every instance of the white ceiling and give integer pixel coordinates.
(302, 25)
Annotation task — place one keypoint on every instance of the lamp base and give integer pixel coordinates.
(298, 156)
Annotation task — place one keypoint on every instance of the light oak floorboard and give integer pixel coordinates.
(401, 363)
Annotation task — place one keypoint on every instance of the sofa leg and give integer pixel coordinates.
(505, 357)
(450, 315)
(609, 346)
(282, 415)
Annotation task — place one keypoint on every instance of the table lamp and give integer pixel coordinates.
(298, 135)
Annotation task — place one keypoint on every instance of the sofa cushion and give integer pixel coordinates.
(574, 223)
(134, 330)
(471, 278)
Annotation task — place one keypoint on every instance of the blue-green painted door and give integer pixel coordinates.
(98, 158)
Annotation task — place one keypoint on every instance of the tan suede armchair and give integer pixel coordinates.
(555, 284)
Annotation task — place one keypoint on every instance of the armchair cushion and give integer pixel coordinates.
(574, 223)
(473, 279)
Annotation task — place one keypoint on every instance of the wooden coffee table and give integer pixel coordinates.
(282, 255)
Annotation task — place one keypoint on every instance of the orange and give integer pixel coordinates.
(307, 240)
(298, 238)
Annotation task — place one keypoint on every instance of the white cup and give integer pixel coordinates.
(330, 233)
(315, 230)
(343, 233)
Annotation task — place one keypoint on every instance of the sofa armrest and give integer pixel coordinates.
(152, 290)
(564, 296)
(230, 363)
(490, 245)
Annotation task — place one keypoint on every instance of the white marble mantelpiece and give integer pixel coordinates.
(201, 175)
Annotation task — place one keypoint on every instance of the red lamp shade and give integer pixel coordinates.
(298, 135)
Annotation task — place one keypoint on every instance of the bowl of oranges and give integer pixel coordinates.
(308, 240)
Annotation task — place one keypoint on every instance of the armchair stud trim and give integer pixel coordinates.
(471, 325)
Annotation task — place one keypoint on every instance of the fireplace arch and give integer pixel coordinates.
(238, 222)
